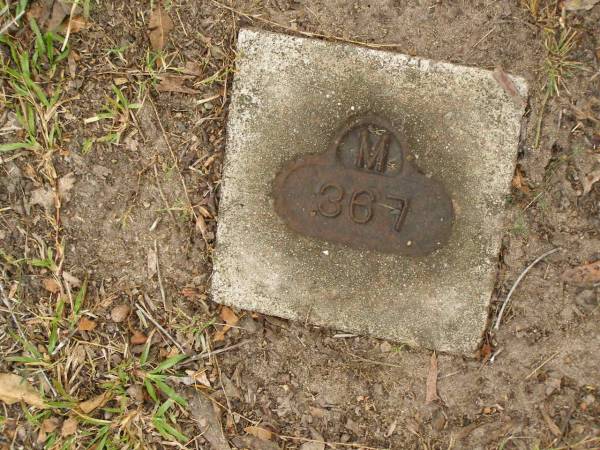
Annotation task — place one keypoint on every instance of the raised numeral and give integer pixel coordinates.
(399, 211)
(360, 205)
(330, 206)
(361, 200)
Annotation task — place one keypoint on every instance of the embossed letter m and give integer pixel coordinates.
(375, 157)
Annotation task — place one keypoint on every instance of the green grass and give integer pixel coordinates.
(117, 110)
(520, 226)
(35, 100)
(154, 379)
(558, 65)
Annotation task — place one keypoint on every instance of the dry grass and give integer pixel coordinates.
(120, 381)
(61, 341)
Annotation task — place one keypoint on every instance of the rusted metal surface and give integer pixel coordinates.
(364, 191)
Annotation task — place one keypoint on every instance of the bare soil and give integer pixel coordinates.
(535, 382)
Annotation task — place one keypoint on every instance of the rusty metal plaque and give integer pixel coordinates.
(364, 191)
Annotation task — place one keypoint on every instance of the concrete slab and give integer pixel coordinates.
(290, 97)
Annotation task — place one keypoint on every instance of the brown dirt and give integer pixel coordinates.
(539, 391)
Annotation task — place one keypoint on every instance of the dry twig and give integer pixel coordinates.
(158, 275)
(214, 352)
(175, 161)
(303, 33)
(512, 289)
(148, 316)
(546, 361)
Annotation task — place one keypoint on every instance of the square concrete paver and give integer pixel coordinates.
(344, 255)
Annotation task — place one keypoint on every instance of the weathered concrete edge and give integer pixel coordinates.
(415, 61)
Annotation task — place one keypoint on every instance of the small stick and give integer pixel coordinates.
(181, 22)
(214, 352)
(512, 289)
(538, 131)
(162, 195)
(160, 283)
(303, 33)
(483, 38)
(534, 200)
(68, 33)
(159, 326)
(164, 133)
(541, 365)
(451, 374)
(12, 22)
(493, 357)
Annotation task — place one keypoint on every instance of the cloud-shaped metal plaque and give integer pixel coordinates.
(365, 192)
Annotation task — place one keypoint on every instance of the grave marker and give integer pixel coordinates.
(364, 190)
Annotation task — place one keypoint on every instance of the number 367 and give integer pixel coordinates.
(360, 204)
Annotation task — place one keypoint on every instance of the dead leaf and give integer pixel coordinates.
(152, 263)
(191, 293)
(199, 377)
(431, 392)
(586, 109)
(229, 316)
(312, 446)
(45, 197)
(507, 85)
(65, 184)
(549, 422)
(50, 424)
(230, 319)
(584, 274)
(160, 25)
(136, 393)
(51, 285)
(205, 212)
(391, 428)
(39, 11)
(519, 182)
(201, 226)
(79, 23)
(261, 433)
(138, 338)
(318, 412)
(47, 426)
(219, 335)
(193, 68)
(14, 388)
(175, 83)
(70, 279)
(72, 65)
(203, 411)
(488, 410)
(60, 10)
(576, 5)
(589, 180)
(69, 427)
(86, 324)
(120, 81)
(119, 313)
(485, 351)
(95, 402)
